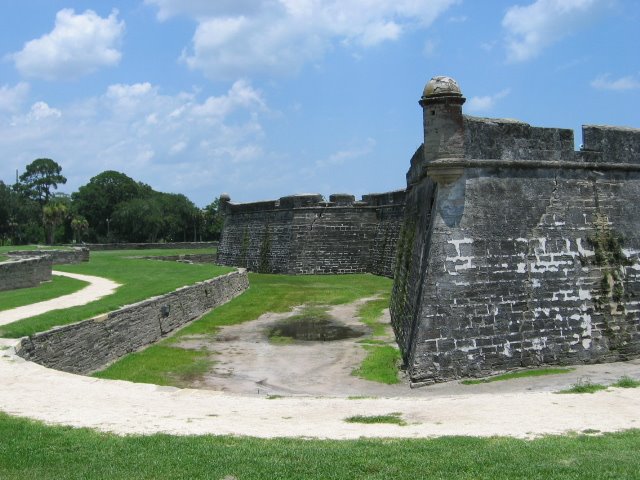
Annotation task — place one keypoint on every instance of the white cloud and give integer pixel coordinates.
(40, 111)
(605, 82)
(534, 27)
(78, 45)
(200, 9)
(485, 103)
(278, 36)
(12, 98)
(183, 142)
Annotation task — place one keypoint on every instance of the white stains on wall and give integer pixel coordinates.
(460, 262)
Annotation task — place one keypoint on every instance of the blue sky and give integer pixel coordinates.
(262, 99)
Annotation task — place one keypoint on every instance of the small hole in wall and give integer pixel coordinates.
(433, 112)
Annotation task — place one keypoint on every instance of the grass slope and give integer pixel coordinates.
(140, 279)
(31, 450)
(57, 287)
(267, 293)
(382, 360)
(540, 372)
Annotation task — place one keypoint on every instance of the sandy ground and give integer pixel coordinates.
(98, 287)
(316, 402)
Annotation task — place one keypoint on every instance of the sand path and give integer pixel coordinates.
(98, 287)
(33, 391)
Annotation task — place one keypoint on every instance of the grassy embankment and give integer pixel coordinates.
(140, 279)
(32, 450)
(167, 364)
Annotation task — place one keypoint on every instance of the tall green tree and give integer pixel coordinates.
(39, 179)
(98, 200)
(213, 221)
(53, 215)
(80, 226)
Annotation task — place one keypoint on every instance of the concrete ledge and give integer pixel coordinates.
(90, 345)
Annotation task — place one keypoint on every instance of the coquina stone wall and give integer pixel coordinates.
(516, 250)
(90, 345)
(24, 272)
(149, 246)
(187, 258)
(58, 257)
(303, 234)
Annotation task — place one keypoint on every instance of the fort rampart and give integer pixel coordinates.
(516, 250)
(304, 234)
(508, 248)
(92, 344)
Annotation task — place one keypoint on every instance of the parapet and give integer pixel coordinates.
(507, 139)
(607, 144)
(396, 197)
(313, 200)
(301, 200)
(342, 199)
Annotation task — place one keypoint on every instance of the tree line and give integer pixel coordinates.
(111, 207)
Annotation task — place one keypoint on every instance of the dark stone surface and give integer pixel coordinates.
(529, 256)
(302, 234)
(24, 272)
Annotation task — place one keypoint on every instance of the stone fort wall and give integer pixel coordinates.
(303, 234)
(516, 250)
(508, 248)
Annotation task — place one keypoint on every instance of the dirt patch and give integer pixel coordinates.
(247, 362)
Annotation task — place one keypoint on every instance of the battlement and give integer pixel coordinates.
(506, 139)
(613, 145)
(315, 200)
(306, 234)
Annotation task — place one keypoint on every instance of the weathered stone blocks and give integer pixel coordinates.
(302, 234)
(90, 345)
(24, 272)
(530, 256)
(58, 257)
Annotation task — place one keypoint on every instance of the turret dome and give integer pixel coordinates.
(441, 86)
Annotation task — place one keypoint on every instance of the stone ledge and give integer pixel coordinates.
(90, 345)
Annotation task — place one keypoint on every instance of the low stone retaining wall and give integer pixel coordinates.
(24, 272)
(149, 246)
(188, 258)
(58, 257)
(90, 345)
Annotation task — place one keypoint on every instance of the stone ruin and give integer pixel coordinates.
(508, 248)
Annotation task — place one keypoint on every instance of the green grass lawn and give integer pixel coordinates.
(57, 287)
(140, 278)
(267, 293)
(539, 372)
(31, 450)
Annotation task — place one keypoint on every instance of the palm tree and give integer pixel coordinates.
(53, 214)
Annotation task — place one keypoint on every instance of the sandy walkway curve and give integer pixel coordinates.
(98, 287)
(124, 408)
